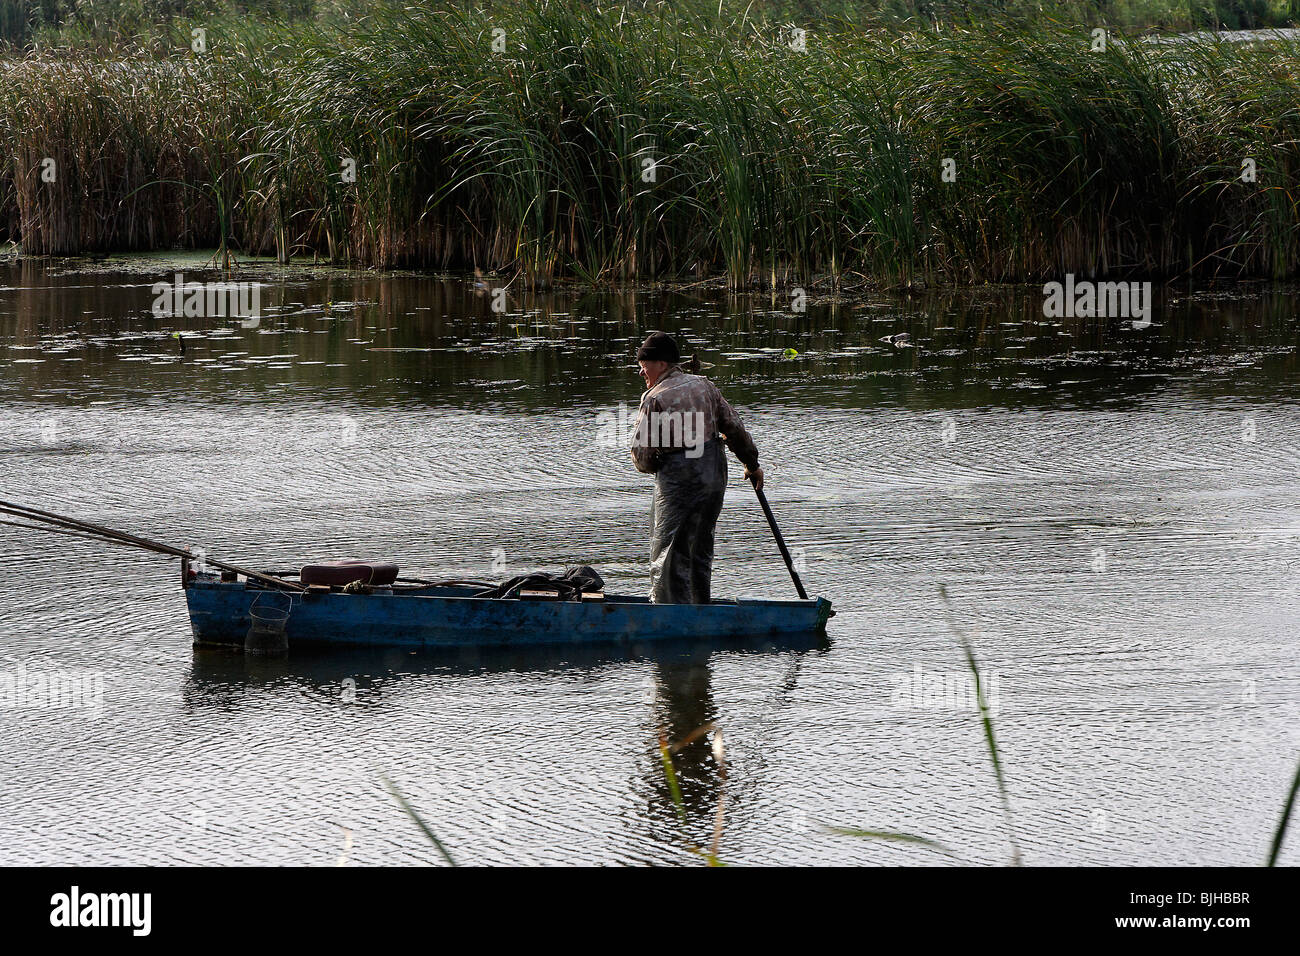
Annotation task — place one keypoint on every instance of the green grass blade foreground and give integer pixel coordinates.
(889, 836)
(1285, 821)
(986, 720)
(419, 821)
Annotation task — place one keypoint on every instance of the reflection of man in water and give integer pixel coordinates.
(681, 418)
(683, 704)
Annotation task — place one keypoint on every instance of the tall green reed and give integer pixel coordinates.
(555, 141)
(986, 722)
(1276, 847)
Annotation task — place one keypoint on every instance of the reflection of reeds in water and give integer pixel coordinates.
(616, 145)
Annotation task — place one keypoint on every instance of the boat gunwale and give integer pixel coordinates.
(608, 600)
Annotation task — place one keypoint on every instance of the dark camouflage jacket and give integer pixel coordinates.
(684, 411)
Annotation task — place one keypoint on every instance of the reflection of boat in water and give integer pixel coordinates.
(221, 675)
(674, 697)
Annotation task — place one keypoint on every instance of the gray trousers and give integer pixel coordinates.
(687, 501)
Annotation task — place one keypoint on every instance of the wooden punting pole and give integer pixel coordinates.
(56, 522)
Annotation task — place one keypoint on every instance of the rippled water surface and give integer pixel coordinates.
(1113, 511)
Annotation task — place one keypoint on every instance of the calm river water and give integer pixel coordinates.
(1113, 511)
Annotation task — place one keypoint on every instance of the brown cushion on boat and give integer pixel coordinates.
(337, 573)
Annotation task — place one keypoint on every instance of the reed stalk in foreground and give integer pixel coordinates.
(1285, 821)
(419, 821)
(986, 720)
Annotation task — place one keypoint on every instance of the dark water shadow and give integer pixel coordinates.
(223, 678)
(680, 701)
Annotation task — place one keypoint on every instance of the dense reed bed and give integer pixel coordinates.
(625, 144)
(99, 23)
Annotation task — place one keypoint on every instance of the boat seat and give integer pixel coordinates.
(339, 573)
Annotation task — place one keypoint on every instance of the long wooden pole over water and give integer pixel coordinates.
(122, 537)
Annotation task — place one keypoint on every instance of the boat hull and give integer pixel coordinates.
(222, 613)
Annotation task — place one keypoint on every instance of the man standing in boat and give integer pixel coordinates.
(676, 438)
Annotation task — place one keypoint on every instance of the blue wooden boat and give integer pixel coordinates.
(266, 612)
(227, 612)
